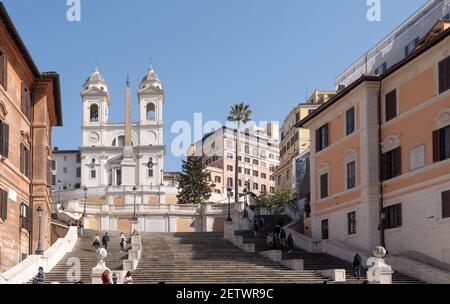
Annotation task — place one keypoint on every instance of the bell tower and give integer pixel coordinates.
(96, 100)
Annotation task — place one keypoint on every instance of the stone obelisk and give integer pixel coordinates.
(128, 163)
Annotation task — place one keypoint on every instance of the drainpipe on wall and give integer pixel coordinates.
(381, 199)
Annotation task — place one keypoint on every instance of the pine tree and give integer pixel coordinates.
(194, 185)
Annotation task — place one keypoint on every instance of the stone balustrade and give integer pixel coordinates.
(28, 268)
(96, 209)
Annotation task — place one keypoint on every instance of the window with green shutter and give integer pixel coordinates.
(4, 204)
(4, 139)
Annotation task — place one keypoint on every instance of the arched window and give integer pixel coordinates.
(119, 141)
(151, 114)
(94, 112)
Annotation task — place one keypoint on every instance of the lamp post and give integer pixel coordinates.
(59, 192)
(230, 195)
(85, 199)
(40, 213)
(134, 212)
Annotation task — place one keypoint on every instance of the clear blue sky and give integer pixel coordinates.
(209, 54)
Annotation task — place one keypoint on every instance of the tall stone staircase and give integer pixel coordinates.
(207, 258)
(85, 252)
(313, 261)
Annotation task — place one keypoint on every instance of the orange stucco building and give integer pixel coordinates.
(30, 105)
(380, 157)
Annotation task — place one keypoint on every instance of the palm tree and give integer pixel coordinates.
(240, 114)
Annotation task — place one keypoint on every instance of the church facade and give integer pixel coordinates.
(118, 156)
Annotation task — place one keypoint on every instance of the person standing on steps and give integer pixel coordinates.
(357, 264)
(256, 229)
(269, 240)
(114, 278)
(105, 240)
(290, 243)
(127, 279)
(96, 243)
(123, 242)
(283, 238)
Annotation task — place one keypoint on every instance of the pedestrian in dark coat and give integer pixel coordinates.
(105, 240)
(357, 265)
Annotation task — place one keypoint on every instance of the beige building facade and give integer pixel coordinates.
(380, 157)
(30, 106)
(294, 140)
(258, 158)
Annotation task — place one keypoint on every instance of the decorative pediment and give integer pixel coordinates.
(324, 168)
(442, 119)
(391, 142)
(150, 89)
(93, 91)
(3, 111)
(350, 155)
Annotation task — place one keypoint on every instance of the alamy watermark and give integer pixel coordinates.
(374, 11)
(186, 134)
(74, 11)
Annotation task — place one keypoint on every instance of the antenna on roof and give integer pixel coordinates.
(307, 92)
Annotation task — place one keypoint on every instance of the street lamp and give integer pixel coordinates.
(85, 199)
(40, 213)
(230, 195)
(59, 192)
(134, 212)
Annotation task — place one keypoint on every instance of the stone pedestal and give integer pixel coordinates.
(134, 226)
(136, 242)
(274, 255)
(336, 275)
(97, 272)
(228, 230)
(379, 272)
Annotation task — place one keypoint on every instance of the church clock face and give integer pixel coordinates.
(93, 137)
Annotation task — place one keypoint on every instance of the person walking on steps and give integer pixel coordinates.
(105, 240)
(357, 264)
(256, 228)
(96, 243)
(283, 238)
(123, 242)
(290, 243)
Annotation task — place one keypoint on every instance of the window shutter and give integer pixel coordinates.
(443, 75)
(4, 141)
(3, 71)
(317, 140)
(325, 130)
(4, 204)
(446, 204)
(391, 105)
(436, 146)
(398, 161)
(398, 214)
(23, 105)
